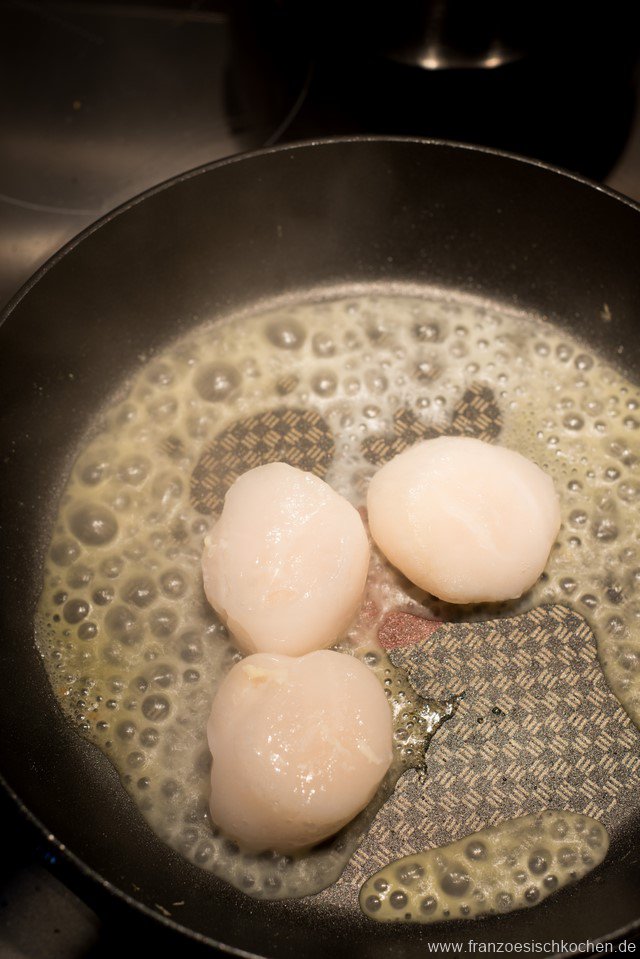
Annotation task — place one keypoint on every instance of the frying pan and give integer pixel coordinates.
(287, 222)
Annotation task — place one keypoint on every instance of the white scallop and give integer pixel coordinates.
(465, 520)
(286, 564)
(299, 746)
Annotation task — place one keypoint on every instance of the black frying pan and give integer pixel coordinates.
(288, 221)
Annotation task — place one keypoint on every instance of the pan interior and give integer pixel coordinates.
(338, 386)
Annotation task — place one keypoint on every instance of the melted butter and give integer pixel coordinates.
(134, 652)
(513, 865)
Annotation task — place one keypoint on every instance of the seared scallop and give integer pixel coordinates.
(465, 520)
(299, 745)
(286, 564)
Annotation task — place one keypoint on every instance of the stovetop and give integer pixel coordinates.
(99, 101)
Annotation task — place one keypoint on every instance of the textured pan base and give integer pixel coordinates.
(537, 727)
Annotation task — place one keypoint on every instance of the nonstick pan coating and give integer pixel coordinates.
(339, 215)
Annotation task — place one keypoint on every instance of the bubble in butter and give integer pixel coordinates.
(513, 865)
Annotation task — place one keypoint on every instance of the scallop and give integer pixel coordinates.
(465, 520)
(299, 746)
(285, 566)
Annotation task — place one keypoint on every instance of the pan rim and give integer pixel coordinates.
(203, 168)
(52, 841)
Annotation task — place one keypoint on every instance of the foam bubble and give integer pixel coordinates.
(93, 524)
(216, 382)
